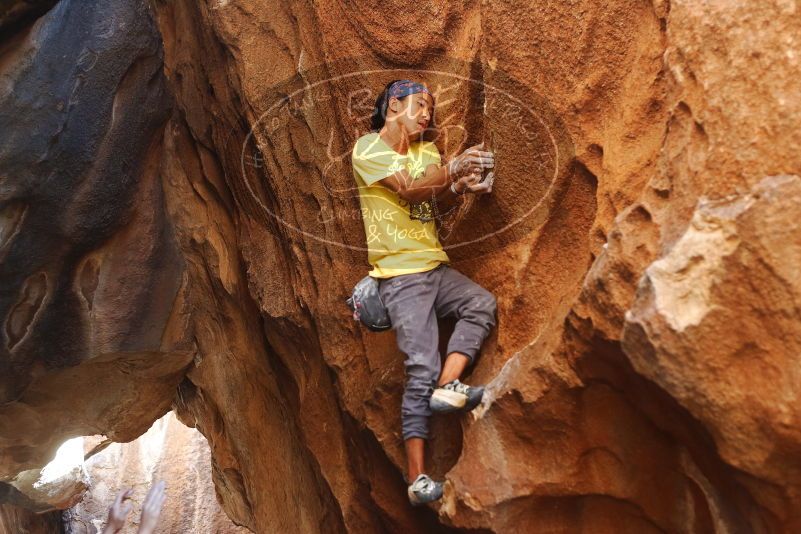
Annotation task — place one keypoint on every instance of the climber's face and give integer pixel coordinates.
(413, 112)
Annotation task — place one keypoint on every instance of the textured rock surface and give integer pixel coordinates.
(89, 265)
(16, 14)
(716, 324)
(167, 451)
(643, 374)
(17, 520)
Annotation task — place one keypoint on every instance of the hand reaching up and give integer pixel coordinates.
(151, 508)
(118, 512)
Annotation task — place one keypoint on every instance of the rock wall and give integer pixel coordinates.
(642, 375)
(88, 259)
(17, 520)
(168, 451)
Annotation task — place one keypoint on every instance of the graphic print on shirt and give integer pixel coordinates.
(422, 211)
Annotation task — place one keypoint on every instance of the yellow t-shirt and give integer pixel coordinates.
(401, 237)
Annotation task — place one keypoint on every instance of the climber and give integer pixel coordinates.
(401, 181)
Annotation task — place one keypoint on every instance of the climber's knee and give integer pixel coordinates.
(483, 307)
(489, 304)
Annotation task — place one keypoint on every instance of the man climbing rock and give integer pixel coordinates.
(401, 181)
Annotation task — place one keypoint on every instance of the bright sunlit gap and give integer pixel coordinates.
(68, 458)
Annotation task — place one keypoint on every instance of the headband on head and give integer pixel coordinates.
(402, 88)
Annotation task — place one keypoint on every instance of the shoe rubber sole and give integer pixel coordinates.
(413, 499)
(443, 401)
(475, 401)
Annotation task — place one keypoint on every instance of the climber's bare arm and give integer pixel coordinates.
(446, 198)
(465, 169)
(412, 190)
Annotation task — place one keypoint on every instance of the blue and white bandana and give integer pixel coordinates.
(403, 88)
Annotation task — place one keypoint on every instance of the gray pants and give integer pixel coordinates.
(414, 301)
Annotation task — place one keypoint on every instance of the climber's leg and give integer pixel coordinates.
(474, 308)
(455, 364)
(415, 452)
(409, 299)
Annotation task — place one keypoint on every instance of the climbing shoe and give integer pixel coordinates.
(424, 490)
(455, 396)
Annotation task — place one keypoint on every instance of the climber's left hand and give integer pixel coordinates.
(480, 188)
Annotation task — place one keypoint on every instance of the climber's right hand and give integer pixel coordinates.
(118, 512)
(465, 183)
(473, 160)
